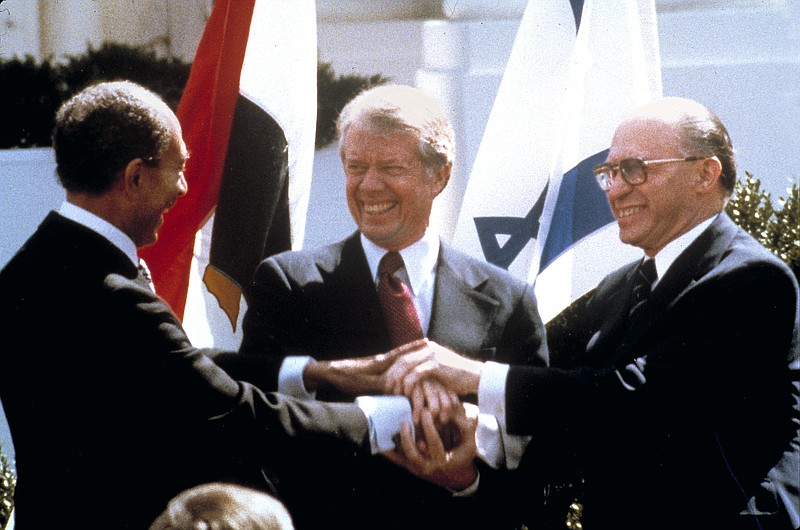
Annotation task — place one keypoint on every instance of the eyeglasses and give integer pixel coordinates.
(632, 170)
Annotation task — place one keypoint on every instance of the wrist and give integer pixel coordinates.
(314, 375)
(471, 376)
(465, 481)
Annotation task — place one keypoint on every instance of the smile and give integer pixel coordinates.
(379, 208)
(625, 212)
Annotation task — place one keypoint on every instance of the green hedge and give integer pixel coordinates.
(778, 229)
(8, 481)
(35, 89)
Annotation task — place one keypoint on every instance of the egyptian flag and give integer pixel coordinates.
(248, 115)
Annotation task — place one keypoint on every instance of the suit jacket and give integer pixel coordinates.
(710, 433)
(324, 303)
(111, 409)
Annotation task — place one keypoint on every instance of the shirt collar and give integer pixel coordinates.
(667, 256)
(419, 259)
(117, 237)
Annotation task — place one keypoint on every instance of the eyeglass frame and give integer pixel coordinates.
(606, 168)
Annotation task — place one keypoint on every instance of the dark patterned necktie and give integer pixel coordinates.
(144, 272)
(646, 274)
(396, 302)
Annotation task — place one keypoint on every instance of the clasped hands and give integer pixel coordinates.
(433, 378)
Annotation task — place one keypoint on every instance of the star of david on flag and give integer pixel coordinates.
(531, 204)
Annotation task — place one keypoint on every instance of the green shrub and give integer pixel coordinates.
(8, 482)
(35, 89)
(777, 229)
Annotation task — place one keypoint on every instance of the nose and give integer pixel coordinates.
(183, 186)
(619, 187)
(372, 179)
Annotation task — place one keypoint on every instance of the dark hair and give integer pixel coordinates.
(102, 128)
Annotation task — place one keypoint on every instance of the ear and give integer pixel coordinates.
(132, 177)
(708, 178)
(441, 178)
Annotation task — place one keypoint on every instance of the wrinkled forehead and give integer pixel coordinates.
(646, 138)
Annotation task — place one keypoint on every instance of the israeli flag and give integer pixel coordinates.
(532, 205)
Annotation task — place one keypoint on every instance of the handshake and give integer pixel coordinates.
(441, 448)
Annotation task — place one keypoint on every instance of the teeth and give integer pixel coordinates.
(628, 211)
(378, 208)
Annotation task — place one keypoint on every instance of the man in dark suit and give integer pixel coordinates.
(315, 312)
(676, 408)
(112, 410)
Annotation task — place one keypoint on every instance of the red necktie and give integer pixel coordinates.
(396, 302)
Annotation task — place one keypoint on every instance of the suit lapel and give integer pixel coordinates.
(696, 261)
(462, 312)
(354, 305)
(612, 299)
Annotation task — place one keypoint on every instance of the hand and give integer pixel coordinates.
(358, 376)
(442, 403)
(426, 360)
(448, 463)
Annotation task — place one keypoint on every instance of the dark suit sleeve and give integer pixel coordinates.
(523, 340)
(192, 385)
(719, 405)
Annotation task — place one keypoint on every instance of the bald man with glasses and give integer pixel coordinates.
(672, 396)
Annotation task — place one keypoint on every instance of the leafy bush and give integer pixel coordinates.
(8, 482)
(777, 229)
(34, 90)
(333, 93)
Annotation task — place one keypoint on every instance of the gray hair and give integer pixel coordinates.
(394, 108)
(700, 132)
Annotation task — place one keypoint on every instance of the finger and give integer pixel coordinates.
(466, 427)
(417, 398)
(413, 458)
(430, 391)
(401, 367)
(432, 439)
(423, 371)
(450, 403)
(407, 348)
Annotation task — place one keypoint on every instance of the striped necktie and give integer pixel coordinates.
(643, 281)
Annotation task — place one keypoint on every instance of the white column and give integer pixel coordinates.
(19, 29)
(463, 60)
(69, 27)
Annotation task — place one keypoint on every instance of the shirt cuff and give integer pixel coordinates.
(470, 490)
(492, 389)
(385, 416)
(290, 377)
(489, 441)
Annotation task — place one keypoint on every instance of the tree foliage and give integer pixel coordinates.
(778, 229)
(8, 482)
(333, 93)
(34, 90)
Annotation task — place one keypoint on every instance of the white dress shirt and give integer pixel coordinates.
(419, 274)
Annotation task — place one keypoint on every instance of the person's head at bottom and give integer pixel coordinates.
(220, 506)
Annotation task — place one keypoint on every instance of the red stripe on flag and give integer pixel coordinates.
(205, 113)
